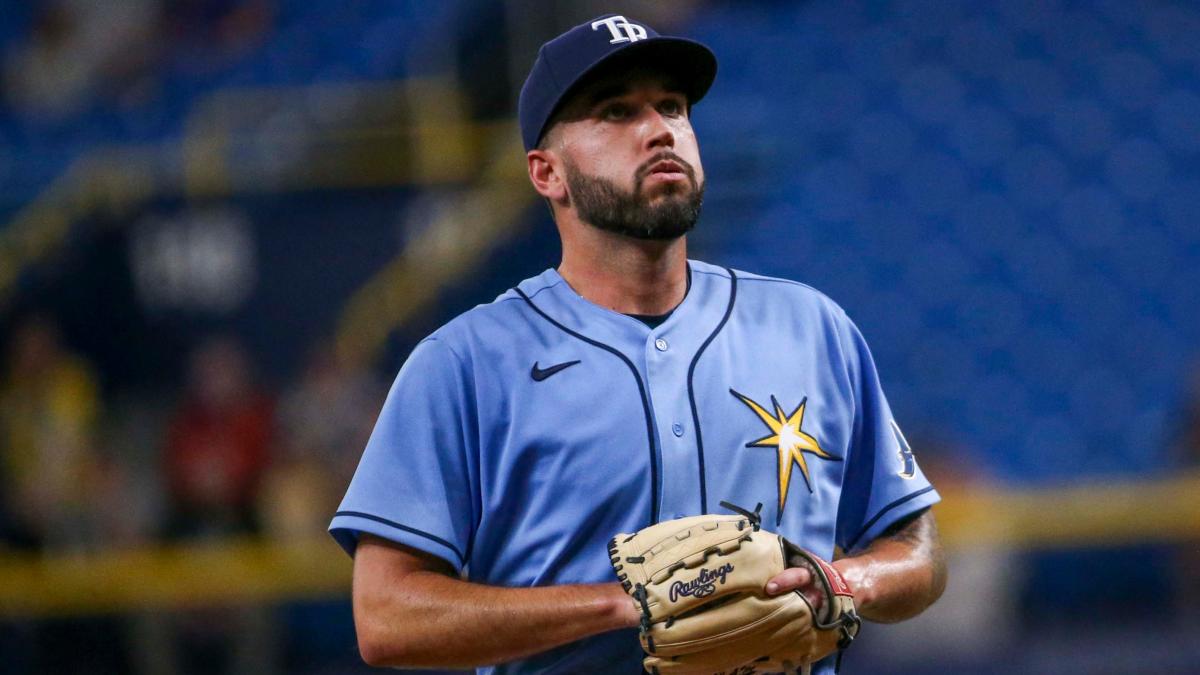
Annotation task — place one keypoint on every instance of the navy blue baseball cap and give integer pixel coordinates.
(564, 62)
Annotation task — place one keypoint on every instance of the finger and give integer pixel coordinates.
(789, 580)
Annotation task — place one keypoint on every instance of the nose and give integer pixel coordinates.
(658, 131)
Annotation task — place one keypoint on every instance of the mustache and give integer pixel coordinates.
(666, 155)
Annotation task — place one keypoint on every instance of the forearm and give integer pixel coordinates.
(899, 574)
(419, 618)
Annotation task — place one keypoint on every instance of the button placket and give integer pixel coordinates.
(666, 377)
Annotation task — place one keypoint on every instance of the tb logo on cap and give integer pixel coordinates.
(622, 30)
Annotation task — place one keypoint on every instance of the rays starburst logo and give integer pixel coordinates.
(789, 440)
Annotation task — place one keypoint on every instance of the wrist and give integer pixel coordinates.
(855, 572)
(621, 608)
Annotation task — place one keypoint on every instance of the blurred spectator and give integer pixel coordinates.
(325, 421)
(217, 446)
(55, 488)
(217, 452)
(49, 406)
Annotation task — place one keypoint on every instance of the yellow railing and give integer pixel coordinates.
(221, 572)
(1099, 514)
(246, 571)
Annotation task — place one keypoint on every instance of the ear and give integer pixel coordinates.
(546, 175)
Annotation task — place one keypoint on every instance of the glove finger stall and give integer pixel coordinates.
(745, 620)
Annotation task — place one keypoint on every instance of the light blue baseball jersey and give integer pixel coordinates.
(521, 436)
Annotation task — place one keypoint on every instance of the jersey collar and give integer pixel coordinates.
(686, 329)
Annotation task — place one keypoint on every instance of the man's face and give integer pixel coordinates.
(630, 158)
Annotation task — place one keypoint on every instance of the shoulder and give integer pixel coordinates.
(495, 323)
(785, 295)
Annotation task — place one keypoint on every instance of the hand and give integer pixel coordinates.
(796, 578)
(852, 570)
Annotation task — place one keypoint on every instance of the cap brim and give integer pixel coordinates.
(690, 64)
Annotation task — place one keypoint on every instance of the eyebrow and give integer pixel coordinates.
(621, 88)
(615, 90)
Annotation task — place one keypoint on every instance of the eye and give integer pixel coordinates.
(615, 112)
(672, 107)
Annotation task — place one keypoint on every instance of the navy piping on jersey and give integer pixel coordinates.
(692, 391)
(889, 507)
(654, 458)
(358, 514)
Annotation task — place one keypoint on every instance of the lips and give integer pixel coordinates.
(666, 170)
(667, 166)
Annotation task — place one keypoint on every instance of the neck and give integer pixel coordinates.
(626, 275)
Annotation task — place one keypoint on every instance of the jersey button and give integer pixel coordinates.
(661, 345)
(677, 429)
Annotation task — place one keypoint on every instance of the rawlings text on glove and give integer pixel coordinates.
(699, 584)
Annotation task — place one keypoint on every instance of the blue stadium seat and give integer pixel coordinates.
(1004, 195)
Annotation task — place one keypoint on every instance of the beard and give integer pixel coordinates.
(605, 206)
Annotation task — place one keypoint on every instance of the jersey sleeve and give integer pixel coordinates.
(883, 482)
(417, 479)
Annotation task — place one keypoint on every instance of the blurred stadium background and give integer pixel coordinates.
(224, 223)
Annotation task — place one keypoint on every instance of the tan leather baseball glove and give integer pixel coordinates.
(699, 584)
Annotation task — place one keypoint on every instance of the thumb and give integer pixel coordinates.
(788, 580)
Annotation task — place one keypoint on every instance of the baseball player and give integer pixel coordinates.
(627, 386)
